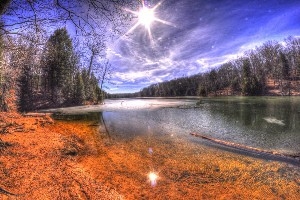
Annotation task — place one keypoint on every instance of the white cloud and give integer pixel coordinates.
(112, 54)
(131, 76)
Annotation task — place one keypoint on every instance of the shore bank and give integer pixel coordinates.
(45, 159)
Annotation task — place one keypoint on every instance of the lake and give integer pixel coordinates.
(268, 123)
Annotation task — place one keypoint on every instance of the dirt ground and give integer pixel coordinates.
(43, 159)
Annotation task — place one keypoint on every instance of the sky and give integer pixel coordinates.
(199, 35)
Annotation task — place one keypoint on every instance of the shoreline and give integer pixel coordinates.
(56, 159)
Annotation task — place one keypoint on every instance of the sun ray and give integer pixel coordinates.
(128, 10)
(165, 22)
(132, 29)
(150, 34)
(156, 6)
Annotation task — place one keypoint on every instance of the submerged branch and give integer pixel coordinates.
(296, 158)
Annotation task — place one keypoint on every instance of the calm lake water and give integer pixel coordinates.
(269, 123)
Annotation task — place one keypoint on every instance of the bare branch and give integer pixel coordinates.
(35, 15)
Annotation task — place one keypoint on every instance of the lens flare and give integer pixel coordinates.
(153, 178)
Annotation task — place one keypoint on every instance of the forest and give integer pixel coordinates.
(270, 69)
(34, 76)
(52, 53)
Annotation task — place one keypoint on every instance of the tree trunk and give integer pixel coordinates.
(91, 64)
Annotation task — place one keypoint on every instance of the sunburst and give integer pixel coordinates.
(146, 17)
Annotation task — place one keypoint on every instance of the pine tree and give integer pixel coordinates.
(79, 94)
(59, 66)
(99, 94)
(89, 95)
(25, 90)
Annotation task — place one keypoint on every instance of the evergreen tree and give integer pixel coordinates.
(100, 95)
(79, 94)
(59, 66)
(93, 88)
(25, 90)
(89, 89)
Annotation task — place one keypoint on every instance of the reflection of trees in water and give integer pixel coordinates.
(77, 117)
(250, 112)
(286, 110)
(102, 122)
(267, 123)
(96, 118)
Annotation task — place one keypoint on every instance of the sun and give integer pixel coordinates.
(146, 17)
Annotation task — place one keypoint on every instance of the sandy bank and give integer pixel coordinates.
(42, 161)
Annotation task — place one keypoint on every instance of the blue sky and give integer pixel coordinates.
(203, 35)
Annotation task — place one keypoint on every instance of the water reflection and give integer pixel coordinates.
(88, 116)
(267, 123)
(271, 123)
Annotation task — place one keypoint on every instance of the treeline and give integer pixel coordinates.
(271, 69)
(36, 74)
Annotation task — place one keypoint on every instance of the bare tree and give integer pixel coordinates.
(92, 49)
(103, 72)
(86, 17)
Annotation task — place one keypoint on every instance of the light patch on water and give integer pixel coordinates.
(127, 104)
(273, 120)
(153, 178)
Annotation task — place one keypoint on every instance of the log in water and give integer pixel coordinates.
(284, 157)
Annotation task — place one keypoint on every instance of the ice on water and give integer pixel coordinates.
(273, 120)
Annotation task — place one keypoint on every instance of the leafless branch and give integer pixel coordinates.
(35, 15)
